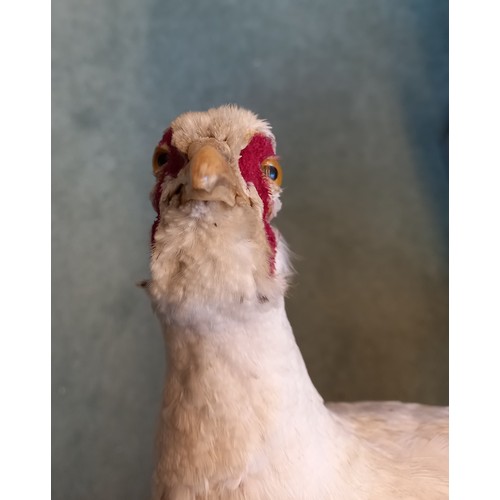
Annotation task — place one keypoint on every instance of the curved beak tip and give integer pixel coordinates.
(210, 176)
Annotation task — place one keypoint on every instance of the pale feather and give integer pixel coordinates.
(241, 419)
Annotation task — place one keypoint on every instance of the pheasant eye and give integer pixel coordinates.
(272, 170)
(160, 158)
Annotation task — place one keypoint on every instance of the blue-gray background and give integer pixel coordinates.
(357, 93)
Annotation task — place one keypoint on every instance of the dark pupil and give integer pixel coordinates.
(273, 173)
(162, 159)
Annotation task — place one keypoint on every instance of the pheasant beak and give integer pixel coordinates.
(210, 178)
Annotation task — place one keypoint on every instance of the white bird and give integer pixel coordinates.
(240, 418)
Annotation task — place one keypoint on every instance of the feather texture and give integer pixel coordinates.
(241, 419)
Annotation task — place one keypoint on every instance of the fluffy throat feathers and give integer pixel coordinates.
(257, 150)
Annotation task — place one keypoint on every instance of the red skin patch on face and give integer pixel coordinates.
(174, 165)
(258, 149)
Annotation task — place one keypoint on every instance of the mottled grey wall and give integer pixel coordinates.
(357, 93)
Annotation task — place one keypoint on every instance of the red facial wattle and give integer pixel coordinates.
(174, 165)
(258, 149)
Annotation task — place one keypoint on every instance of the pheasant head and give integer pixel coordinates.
(218, 185)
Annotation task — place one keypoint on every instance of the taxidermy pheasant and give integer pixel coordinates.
(240, 417)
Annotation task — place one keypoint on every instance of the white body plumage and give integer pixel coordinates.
(241, 419)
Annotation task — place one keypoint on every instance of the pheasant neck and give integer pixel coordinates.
(237, 390)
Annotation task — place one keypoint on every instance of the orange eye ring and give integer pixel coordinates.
(271, 168)
(160, 158)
